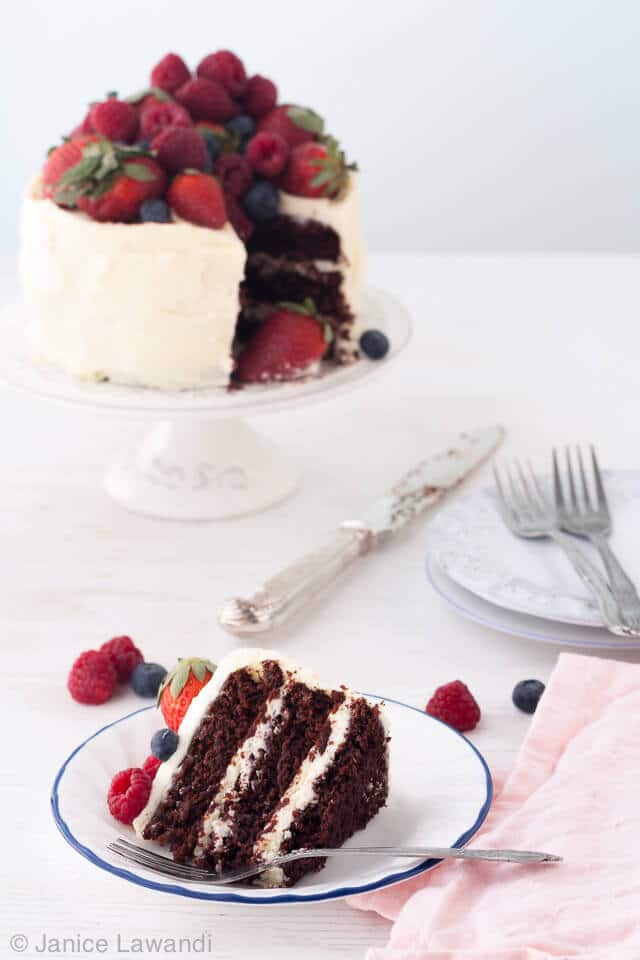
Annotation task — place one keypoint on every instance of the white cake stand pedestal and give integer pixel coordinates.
(201, 459)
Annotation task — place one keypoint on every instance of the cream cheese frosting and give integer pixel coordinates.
(145, 304)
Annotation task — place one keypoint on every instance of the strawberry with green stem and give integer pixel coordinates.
(180, 686)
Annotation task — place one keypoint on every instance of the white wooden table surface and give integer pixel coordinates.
(547, 346)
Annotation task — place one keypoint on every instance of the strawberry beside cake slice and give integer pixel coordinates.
(169, 228)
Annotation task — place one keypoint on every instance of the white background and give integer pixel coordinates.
(478, 124)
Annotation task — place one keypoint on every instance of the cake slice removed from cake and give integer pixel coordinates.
(268, 761)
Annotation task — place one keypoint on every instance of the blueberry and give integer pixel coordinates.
(164, 743)
(212, 143)
(375, 344)
(261, 201)
(155, 211)
(146, 679)
(242, 125)
(526, 695)
(144, 144)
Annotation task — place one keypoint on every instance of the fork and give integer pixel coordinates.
(527, 513)
(591, 519)
(157, 863)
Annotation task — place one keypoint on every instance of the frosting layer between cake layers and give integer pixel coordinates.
(144, 304)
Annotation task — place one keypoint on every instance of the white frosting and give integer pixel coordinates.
(343, 215)
(250, 658)
(148, 304)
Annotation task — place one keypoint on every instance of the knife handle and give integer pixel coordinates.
(291, 589)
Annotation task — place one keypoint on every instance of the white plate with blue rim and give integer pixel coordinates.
(528, 588)
(440, 793)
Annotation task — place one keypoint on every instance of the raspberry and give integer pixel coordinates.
(124, 656)
(238, 219)
(260, 96)
(268, 153)
(234, 174)
(179, 148)
(128, 794)
(282, 120)
(170, 73)
(92, 678)
(150, 766)
(156, 115)
(206, 100)
(115, 120)
(225, 68)
(454, 704)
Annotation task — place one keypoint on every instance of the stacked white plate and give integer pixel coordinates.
(528, 588)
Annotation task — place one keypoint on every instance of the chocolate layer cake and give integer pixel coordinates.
(268, 761)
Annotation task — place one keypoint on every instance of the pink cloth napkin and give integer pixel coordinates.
(575, 791)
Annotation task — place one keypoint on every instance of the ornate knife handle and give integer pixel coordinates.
(291, 589)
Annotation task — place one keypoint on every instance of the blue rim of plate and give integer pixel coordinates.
(335, 894)
(606, 641)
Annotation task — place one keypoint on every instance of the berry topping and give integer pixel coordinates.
(115, 119)
(92, 678)
(179, 148)
(268, 153)
(260, 96)
(316, 170)
(238, 218)
(128, 794)
(454, 704)
(294, 124)
(59, 161)
(198, 198)
(157, 115)
(117, 196)
(261, 201)
(147, 678)
(234, 173)
(150, 766)
(374, 344)
(287, 343)
(180, 686)
(226, 68)
(124, 656)
(170, 73)
(164, 743)
(155, 211)
(526, 695)
(206, 100)
(213, 145)
(243, 126)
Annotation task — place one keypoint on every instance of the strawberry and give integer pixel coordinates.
(180, 686)
(61, 159)
(289, 341)
(316, 170)
(198, 198)
(170, 73)
(156, 115)
(115, 119)
(206, 100)
(226, 68)
(294, 124)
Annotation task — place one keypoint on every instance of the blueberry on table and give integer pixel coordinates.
(146, 679)
(374, 344)
(164, 743)
(526, 695)
(261, 201)
(155, 211)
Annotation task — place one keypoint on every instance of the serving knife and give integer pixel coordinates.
(421, 487)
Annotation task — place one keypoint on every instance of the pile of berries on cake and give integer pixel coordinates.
(206, 147)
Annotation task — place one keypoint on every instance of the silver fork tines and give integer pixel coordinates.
(156, 863)
(528, 513)
(586, 514)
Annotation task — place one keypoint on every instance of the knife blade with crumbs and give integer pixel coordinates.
(422, 486)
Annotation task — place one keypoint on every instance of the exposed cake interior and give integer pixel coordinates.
(267, 761)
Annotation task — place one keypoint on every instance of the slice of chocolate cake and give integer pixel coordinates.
(267, 761)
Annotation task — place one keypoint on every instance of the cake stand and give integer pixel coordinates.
(200, 459)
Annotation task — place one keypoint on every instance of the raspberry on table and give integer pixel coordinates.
(454, 704)
(150, 766)
(124, 656)
(92, 678)
(128, 794)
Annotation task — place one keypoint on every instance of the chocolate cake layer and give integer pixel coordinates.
(176, 821)
(295, 239)
(276, 280)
